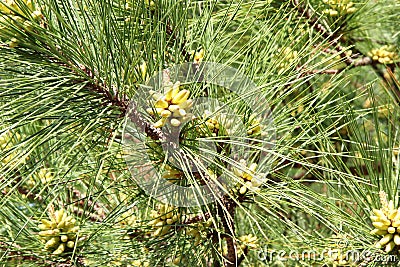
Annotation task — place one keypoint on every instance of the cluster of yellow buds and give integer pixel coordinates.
(338, 258)
(172, 106)
(179, 260)
(163, 219)
(339, 7)
(197, 56)
(198, 230)
(246, 174)
(285, 58)
(59, 233)
(139, 263)
(248, 242)
(214, 123)
(255, 128)
(128, 218)
(7, 141)
(45, 176)
(11, 11)
(384, 54)
(210, 123)
(387, 224)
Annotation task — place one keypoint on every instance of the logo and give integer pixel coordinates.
(191, 130)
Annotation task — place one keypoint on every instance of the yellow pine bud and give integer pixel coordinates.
(51, 243)
(177, 260)
(386, 239)
(186, 104)
(181, 113)
(71, 236)
(161, 103)
(396, 239)
(160, 123)
(157, 232)
(392, 214)
(168, 95)
(64, 238)
(397, 216)
(396, 223)
(43, 227)
(165, 113)
(181, 97)
(176, 113)
(173, 108)
(49, 232)
(175, 89)
(74, 229)
(169, 214)
(380, 225)
(243, 190)
(58, 215)
(13, 43)
(159, 224)
(36, 15)
(253, 167)
(69, 222)
(391, 230)
(379, 213)
(155, 95)
(61, 224)
(48, 223)
(70, 244)
(164, 230)
(175, 123)
(60, 249)
(389, 247)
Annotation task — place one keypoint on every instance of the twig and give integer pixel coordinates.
(335, 41)
(229, 205)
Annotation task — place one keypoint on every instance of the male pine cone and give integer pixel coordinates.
(58, 233)
(387, 224)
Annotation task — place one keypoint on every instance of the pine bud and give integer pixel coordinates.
(181, 97)
(161, 103)
(389, 247)
(175, 123)
(396, 239)
(386, 239)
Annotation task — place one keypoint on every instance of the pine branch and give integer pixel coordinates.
(226, 211)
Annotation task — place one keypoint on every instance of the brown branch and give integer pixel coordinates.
(226, 210)
(362, 61)
(243, 256)
(334, 40)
